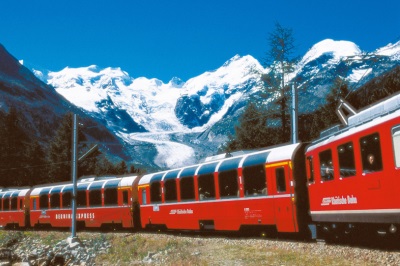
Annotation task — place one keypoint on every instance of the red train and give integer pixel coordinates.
(344, 182)
(101, 202)
(263, 190)
(353, 174)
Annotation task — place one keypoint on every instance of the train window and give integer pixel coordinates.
(396, 144)
(43, 202)
(110, 196)
(326, 166)
(187, 188)
(280, 179)
(14, 202)
(34, 204)
(254, 180)
(55, 201)
(228, 185)
(21, 204)
(347, 165)
(155, 192)
(66, 199)
(206, 187)
(310, 169)
(81, 199)
(144, 196)
(170, 190)
(6, 204)
(95, 198)
(371, 153)
(125, 197)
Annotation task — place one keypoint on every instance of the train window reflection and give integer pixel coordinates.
(187, 188)
(155, 192)
(66, 199)
(170, 190)
(95, 198)
(326, 165)
(14, 202)
(310, 166)
(125, 197)
(206, 187)
(110, 196)
(371, 153)
(347, 166)
(44, 201)
(6, 204)
(55, 200)
(396, 144)
(81, 199)
(254, 180)
(228, 185)
(280, 179)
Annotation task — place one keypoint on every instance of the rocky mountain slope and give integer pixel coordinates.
(167, 125)
(181, 122)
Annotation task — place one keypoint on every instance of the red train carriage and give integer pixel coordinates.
(100, 202)
(260, 190)
(14, 208)
(354, 175)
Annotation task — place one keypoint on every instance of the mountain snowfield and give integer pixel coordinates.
(141, 110)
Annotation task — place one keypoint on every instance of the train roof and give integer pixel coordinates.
(86, 184)
(13, 192)
(367, 118)
(268, 155)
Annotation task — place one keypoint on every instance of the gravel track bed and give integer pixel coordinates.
(151, 248)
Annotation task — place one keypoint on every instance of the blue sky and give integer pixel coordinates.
(183, 38)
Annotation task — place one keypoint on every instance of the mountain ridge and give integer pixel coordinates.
(173, 117)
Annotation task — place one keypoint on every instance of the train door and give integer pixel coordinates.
(283, 198)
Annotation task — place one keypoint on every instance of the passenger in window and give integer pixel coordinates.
(201, 194)
(264, 191)
(371, 165)
(327, 171)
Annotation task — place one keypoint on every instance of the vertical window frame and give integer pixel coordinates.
(346, 159)
(327, 170)
(396, 148)
(371, 144)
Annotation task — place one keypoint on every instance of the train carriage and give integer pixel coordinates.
(258, 190)
(14, 209)
(106, 201)
(354, 174)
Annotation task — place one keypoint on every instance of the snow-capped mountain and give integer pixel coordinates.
(39, 106)
(179, 118)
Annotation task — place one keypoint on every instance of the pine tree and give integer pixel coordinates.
(38, 170)
(252, 131)
(122, 168)
(339, 90)
(15, 151)
(281, 62)
(60, 151)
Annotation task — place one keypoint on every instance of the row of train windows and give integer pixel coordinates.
(254, 183)
(7, 204)
(370, 152)
(95, 199)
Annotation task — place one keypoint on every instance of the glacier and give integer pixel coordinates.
(173, 117)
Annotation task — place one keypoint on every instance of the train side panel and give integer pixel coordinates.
(14, 210)
(256, 190)
(103, 202)
(354, 176)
